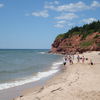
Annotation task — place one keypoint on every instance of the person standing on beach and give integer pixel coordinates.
(78, 58)
(83, 59)
(70, 60)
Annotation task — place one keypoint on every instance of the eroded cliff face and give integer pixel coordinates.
(75, 44)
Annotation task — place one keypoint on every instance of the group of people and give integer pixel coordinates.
(70, 58)
(81, 58)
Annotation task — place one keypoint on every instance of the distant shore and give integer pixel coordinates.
(76, 82)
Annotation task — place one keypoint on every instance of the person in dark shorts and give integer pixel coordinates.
(64, 63)
(65, 60)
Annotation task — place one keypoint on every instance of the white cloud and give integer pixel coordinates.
(64, 20)
(1, 5)
(52, 7)
(89, 20)
(72, 7)
(52, 3)
(95, 4)
(59, 25)
(67, 16)
(63, 24)
(43, 13)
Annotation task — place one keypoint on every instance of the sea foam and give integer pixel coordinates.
(38, 76)
(42, 53)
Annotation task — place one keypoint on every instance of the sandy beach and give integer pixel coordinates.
(79, 81)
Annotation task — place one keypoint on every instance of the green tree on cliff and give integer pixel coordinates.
(85, 30)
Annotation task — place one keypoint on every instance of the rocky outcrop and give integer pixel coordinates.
(75, 43)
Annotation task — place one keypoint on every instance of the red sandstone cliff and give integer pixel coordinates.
(75, 43)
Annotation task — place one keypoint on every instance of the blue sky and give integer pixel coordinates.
(34, 24)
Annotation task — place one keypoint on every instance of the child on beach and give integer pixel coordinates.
(83, 59)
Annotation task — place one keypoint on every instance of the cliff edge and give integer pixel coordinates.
(78, 39)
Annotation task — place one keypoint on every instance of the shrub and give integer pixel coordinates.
(97, 36)
(86, 44)
(83, 31)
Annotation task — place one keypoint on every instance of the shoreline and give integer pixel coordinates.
(33, 78)
(76, 82)
(14, 92)
(13, 89)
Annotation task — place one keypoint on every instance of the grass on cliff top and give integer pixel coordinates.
(84, 30)
(86, 44)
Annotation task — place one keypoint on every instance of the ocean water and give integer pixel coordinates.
(21, 66)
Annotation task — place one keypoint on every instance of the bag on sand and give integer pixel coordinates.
(64, 63)
(91, 63)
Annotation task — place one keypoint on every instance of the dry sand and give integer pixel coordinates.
(76, 82)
